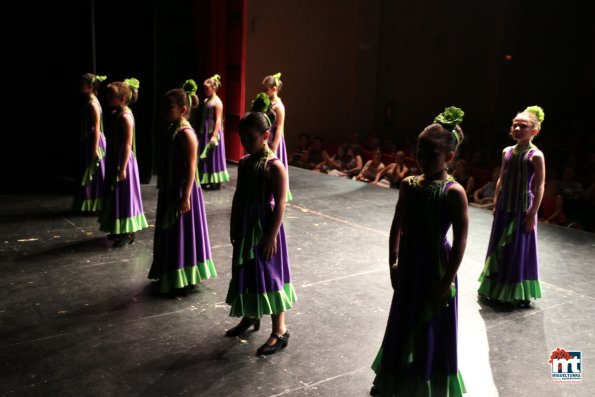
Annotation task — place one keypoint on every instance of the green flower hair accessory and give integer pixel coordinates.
(277, 76)
(133, 83)
(98, 79)
(451, 118)
(189, 86)
(216, 78)
(537, 111)
(261, 103)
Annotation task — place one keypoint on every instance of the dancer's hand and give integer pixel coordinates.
(268, 247)
(122, 175)
(233, 236)
(184, 205)
(393, 276)
(529, 222)
(214, 141)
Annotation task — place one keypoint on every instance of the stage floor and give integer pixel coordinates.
(79, 318)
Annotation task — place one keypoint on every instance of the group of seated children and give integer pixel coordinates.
(387, 170)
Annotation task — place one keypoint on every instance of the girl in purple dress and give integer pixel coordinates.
(182, 252)
(90, 181)
(272, 86)
(122, 214)
(213, 165)
(510, 272)
(418, 355)
(261, 280)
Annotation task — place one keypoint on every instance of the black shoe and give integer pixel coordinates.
(524, 304)
(122, 239)
(243, 326)
(484, 299)
(282, 342)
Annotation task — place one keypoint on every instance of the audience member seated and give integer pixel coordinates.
(372, 167)
(372, 142)
(334, 162)
(297, 157)
(552, 204)
(462, 175)
(569, 187)
(391, 175)
(484, 196)
(353, 164)
(315, 154)
(572, 193)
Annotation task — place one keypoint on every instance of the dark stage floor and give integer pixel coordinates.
(79, 318)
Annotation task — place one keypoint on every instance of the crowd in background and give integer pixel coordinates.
(569, 198)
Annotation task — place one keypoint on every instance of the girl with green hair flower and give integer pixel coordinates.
(181, 249)
(212, 162)
(271, 86)
(90, 189)
(510, 273)
(418, 355)
(123, 214)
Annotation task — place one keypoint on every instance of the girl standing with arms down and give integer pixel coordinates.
(510, 272)
(418, 355)
(213, 164)
(182, 252)
(261, 280)
(123, 213)
(272, 86)
(90, 183)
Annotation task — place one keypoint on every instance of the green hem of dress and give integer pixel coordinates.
(288, 196)
(189, 275)
(91, 205)
(452, 386)
(125, 225)
(266, 303)
(217, 177)
(523, 291)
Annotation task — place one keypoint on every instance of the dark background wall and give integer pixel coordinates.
(154, 41)
(342, 62)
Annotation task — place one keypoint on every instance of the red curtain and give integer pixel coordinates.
(221, 31)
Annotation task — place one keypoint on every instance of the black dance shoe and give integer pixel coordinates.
(243, 326)
(122, 239)
(524, 304)
(282, 342)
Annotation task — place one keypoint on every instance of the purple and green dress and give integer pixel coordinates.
(212, 161)
(123, 208)
(258, 287)
(282, 148)
(510, 271)
(181, 249)
(418, 356)
(90, 189)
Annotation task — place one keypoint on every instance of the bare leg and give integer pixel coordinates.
(278, 325)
